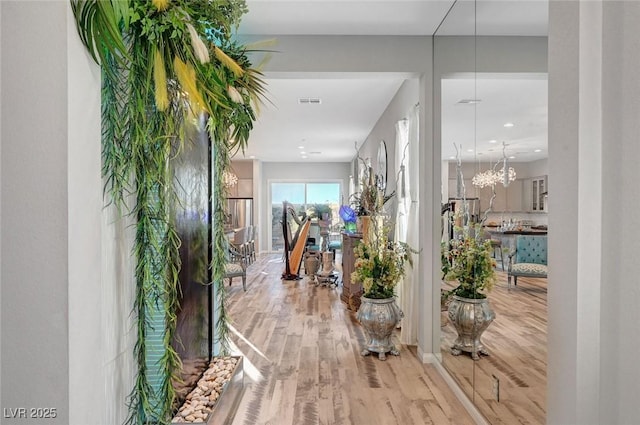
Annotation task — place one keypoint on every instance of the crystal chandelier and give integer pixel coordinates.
(486, 179)
(229, 179)
(492, 177)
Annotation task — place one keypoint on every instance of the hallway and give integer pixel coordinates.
(303, 364)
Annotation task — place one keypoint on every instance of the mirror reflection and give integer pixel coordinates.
(490, 116)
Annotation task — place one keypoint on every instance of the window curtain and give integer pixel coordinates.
(407, 223)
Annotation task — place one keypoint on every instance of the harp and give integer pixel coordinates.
(293, 246)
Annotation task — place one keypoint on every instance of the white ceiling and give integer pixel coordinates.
(479, 127)
(344, 17)
(351, 107)
(327, 131)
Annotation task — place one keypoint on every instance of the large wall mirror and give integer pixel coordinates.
(490, 110)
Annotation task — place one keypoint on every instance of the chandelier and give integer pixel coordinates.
(492, 177)
(229, 179)
(486, 179)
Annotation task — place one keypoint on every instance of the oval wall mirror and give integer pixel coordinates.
(381, 174)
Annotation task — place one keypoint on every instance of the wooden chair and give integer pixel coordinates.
(529, 258)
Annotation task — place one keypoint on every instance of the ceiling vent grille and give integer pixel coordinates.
(469, 101)
(309, 101)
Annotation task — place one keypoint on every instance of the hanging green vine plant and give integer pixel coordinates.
(164, 63)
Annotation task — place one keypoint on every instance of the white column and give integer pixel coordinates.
(594, 89)
(34, 242)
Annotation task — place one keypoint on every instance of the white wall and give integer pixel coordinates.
(321, 54)
(593, 376)
(297, 172)
(67, 291)
(34, 224)
(385, 129)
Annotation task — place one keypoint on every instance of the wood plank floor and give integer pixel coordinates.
(517, 344)
(303, 364)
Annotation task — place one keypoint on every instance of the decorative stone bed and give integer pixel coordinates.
(215, 398)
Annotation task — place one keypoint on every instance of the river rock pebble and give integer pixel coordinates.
(201, 400)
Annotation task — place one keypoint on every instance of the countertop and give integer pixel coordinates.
(495, 230)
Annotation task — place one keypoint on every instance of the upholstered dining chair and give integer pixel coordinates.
(529, 258)
(235, 267)
(239, 245)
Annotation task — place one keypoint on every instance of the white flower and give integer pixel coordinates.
(234, 94)
(199, 48)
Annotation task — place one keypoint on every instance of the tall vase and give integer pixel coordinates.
(379, 318)
(470, 317)
(365, 221)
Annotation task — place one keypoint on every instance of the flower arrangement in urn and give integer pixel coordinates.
(379, 266)
(468, 261)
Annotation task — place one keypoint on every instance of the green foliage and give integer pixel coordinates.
(165, 63)
(318, 210)
(468, 261)
(380, 263)
(370, 200)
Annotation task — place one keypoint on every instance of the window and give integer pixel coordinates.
(306, 198)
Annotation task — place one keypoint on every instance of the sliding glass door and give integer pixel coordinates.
(310, 198)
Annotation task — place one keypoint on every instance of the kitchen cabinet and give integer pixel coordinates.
(508, 199)
(535, 192)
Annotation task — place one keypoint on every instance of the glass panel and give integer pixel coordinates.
(294, 193)
(312, 199)
(192, 338)
(485, 44)
(327, 197)
(455, 91)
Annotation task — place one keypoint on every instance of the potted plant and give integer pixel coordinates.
(379, 266)
(467, 261)
(369, 202)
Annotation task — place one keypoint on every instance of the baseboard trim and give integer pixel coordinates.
(460, 395)
(426, 357)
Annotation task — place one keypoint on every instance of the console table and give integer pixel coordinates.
(351, 292)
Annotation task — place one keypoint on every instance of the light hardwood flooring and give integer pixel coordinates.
(517, 346)
(303, 364)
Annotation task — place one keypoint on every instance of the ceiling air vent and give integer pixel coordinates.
(309, 101)
(469, 101)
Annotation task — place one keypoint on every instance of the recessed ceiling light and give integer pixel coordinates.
(300, 147)
(304, 157)
(303, 153)
(493, 141)
(309, 101)
(509, 124)
(452, 157)
(537, 150)
(469, 150)
(252, 157)
(512, 157)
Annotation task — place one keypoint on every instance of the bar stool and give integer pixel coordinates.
(496, 244)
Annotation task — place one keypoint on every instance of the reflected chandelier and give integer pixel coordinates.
(229, 179)
(492, 177)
